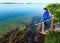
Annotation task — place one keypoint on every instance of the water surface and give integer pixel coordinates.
(15, 15)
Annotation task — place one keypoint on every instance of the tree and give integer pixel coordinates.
(53, 10)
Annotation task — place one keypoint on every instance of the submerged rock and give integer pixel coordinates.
(25, 36)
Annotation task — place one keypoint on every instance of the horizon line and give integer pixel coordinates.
(27, 3)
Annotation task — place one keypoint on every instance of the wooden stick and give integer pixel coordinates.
(42, 26)
(52, 22)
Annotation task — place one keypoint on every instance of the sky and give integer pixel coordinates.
(34, 1)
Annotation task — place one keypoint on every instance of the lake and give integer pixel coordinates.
(14, 15)
(14, 10)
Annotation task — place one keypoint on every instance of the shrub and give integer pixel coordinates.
(52, 37)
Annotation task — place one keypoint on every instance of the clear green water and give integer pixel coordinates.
(17, 15)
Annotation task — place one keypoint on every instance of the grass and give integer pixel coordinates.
(52, 37)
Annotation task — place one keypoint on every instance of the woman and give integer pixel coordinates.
(46, 17)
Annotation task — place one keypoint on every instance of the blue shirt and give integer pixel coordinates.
(46, 15)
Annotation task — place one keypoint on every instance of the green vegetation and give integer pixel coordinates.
(52, 37)
(8, 25)
(55, 10)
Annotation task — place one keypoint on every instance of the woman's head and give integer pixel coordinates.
(45, 9)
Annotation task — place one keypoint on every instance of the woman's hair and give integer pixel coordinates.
(45, 8)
